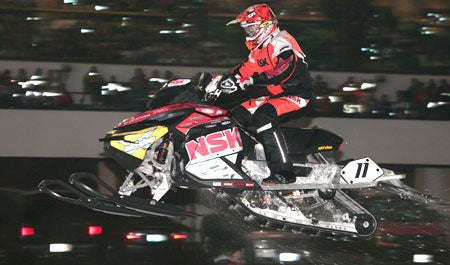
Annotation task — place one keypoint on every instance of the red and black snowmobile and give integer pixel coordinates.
(184, 142)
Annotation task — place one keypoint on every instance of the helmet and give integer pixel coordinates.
(258, 22)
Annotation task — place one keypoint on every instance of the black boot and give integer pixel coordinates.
(275, 149)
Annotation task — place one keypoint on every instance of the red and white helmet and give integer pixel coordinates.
(258, 22)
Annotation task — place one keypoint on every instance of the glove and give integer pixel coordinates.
(204, 80)
(228, 84)
(231, 83)
(208, 83)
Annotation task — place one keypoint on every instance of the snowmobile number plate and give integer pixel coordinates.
(362, 170)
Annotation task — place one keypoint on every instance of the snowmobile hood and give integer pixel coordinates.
(152, 113)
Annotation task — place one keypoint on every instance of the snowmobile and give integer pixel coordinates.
(184, 142)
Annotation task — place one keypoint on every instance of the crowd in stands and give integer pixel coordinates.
(378, 37)
(37, 90)
(421, 99)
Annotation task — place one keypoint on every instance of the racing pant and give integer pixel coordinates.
(265, 114)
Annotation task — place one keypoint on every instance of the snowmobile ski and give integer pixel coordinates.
(109, 203)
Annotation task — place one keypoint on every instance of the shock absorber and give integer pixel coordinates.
(162, 151)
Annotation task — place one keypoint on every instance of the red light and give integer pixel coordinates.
(94, 230)
(179, 236)
(132, 236)
(249, 184)
(388, 244)
(238, 184)
(27, 231)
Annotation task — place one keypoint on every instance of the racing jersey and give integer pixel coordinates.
(279, 65)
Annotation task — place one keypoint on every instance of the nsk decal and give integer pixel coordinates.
(178, 82)
(300, 102)
(214, 145)
(137, 143)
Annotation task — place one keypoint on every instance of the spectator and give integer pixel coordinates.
(6, 78)
(413, 85)
(139, 80)
(65, 99)
(382, 106)
(419, 93)
(22, 75)
(5, 87)
(402, 107)
(37, 75)
(350, 82)
(155, 82)
(168, 75)
(443, 89)
(57, 85)
(321, 87)
(92, 83)
(139, 86)
(432, 90)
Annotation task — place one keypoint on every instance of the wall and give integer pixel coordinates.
(50, 133)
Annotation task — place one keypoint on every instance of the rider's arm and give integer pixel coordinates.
(284, 67)
(286, 57)
(286, 63)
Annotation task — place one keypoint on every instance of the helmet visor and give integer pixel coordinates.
(251, 30)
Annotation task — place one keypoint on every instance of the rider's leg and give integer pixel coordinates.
(242, 116)
(275, 148)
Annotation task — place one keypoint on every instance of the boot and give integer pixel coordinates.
(275, 149)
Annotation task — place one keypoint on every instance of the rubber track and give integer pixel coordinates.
(280, 225)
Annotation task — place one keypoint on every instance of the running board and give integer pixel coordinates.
(81, 194)
(324, 186)
(360, 173)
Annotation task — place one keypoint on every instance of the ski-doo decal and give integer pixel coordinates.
(213, 145)
(136, 143)
(325, 147)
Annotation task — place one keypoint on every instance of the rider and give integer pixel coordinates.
(277, 71)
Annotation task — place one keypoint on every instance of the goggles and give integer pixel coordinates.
(251, 30)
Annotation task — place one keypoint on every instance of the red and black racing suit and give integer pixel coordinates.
(282, 90)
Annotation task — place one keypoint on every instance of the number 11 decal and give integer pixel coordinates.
(362, 170)
(362, 174)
